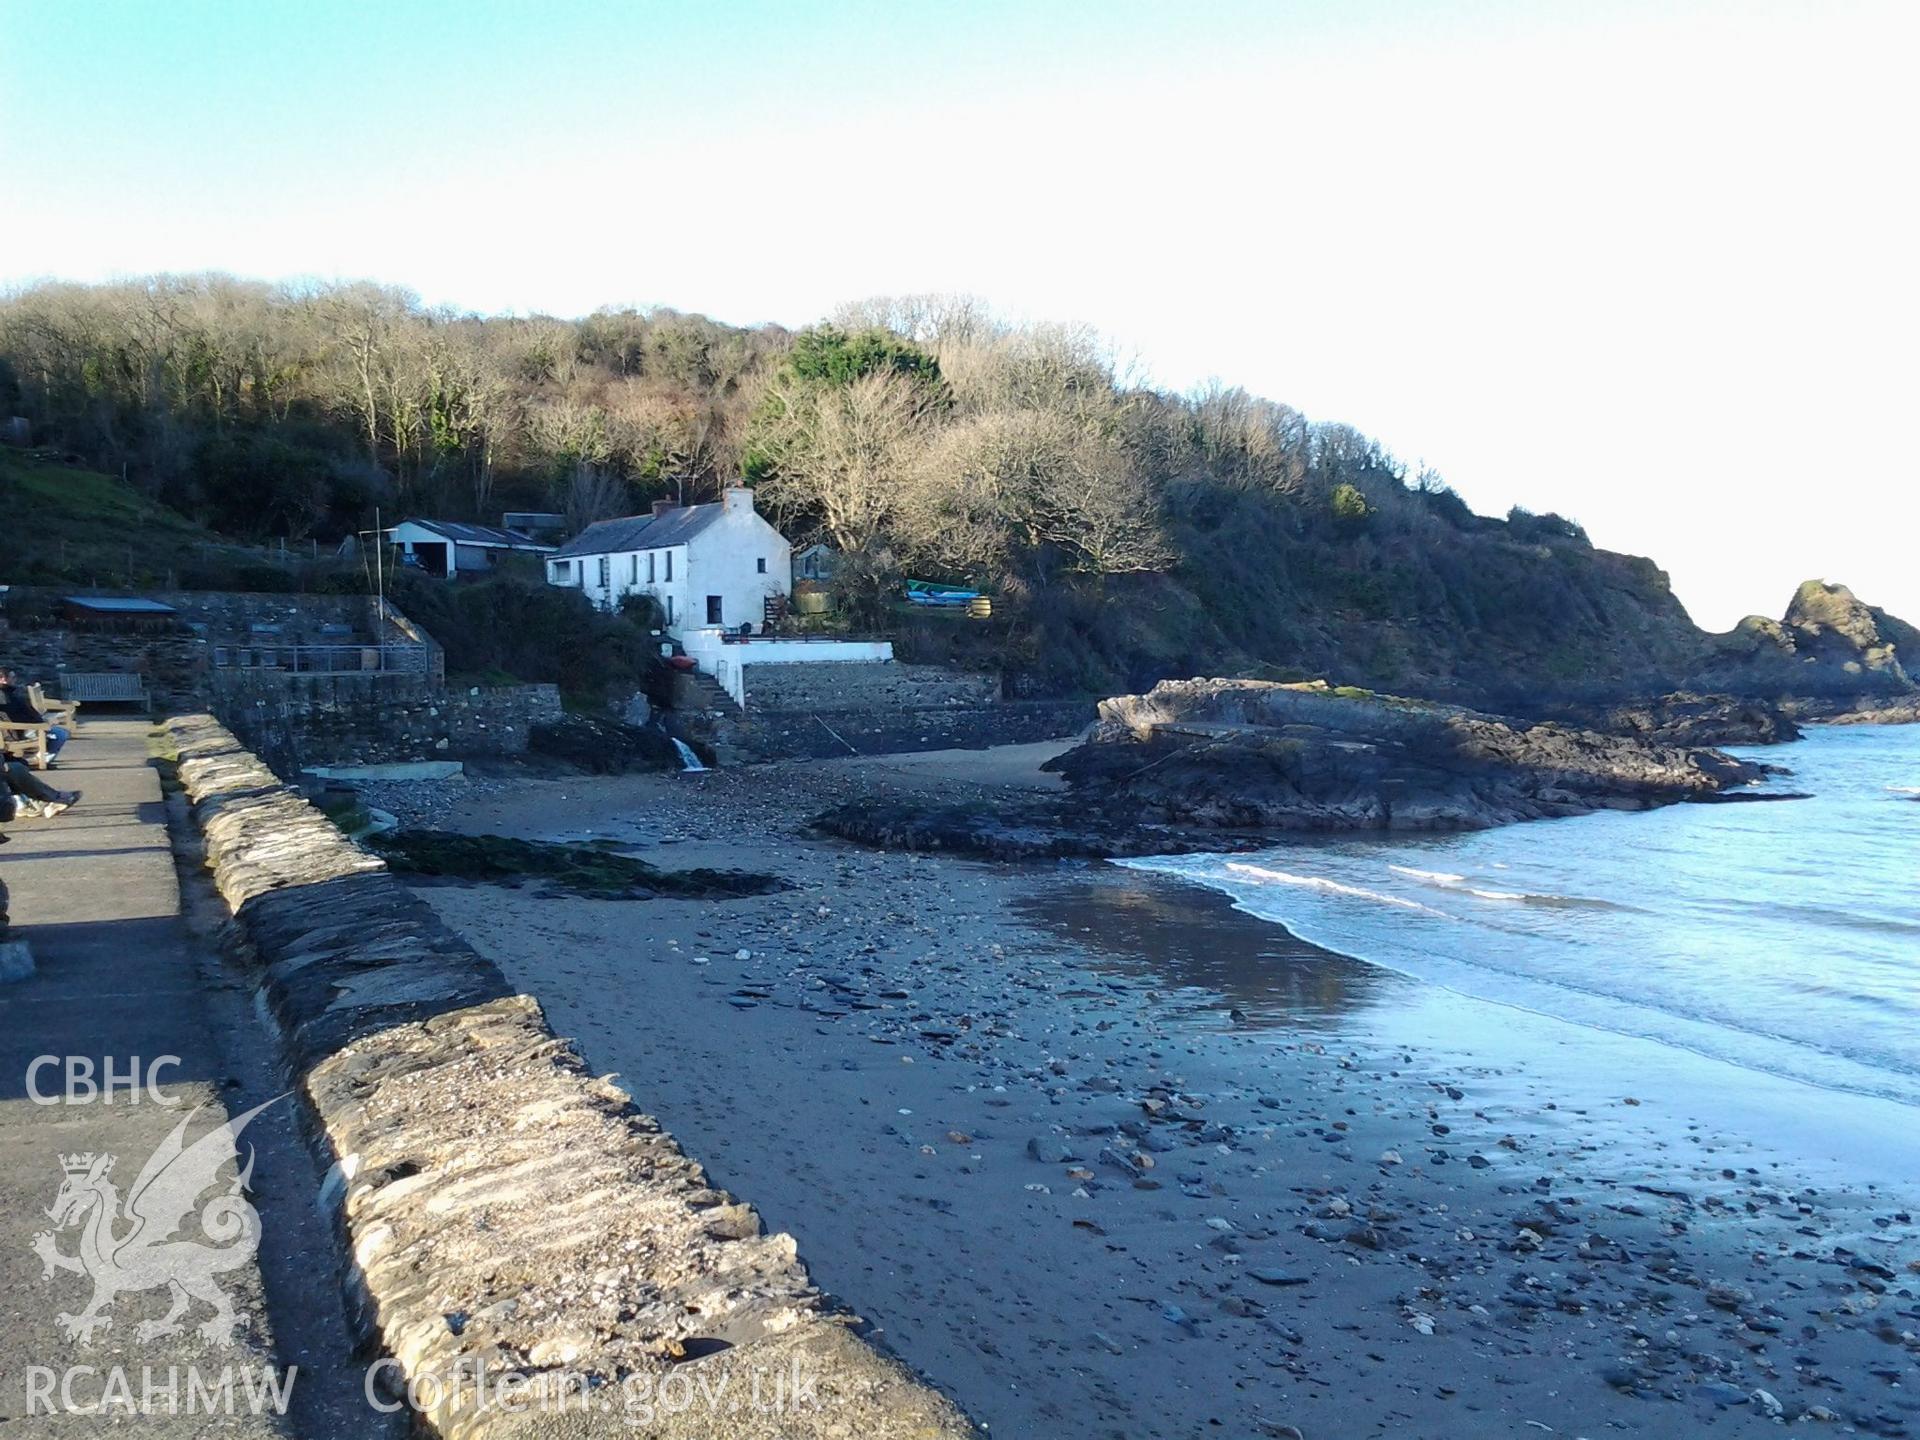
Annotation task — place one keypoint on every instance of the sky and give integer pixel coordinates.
(1648, 265)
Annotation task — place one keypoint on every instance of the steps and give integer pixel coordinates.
(697, 690)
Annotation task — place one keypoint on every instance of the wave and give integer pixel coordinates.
(1457, 884)
(1439, 877)
(1331, 887)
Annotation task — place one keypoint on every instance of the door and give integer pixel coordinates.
(713, 611)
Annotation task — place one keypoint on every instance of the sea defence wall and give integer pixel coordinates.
(296, 720)
(820, 735)
(820, 709)
(506, 1212)
(831, 686)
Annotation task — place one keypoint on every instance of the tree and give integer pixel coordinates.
(838, 453)
(1032, 492)
(828, 355)
(592, 494)
(1348, 504)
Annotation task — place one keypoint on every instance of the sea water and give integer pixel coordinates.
(1783, 937)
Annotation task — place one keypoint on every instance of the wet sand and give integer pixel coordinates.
(1101, 1155)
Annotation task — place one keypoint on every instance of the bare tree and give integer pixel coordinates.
(1251, 441)
(842, 452)
(592, 493)
(1032, 491)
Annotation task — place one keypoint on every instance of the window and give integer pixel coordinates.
(669, 610)
(669, 564)
(713, 610)
(634, 577)
(563, 571)
(763, 564)
(650, 567)
(606, 571)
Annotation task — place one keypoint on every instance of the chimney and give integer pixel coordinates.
(660, 507)
(738, 497)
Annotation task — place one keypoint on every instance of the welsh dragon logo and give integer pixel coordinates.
(131, 1246)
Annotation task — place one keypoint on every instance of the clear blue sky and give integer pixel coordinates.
(1647, 264)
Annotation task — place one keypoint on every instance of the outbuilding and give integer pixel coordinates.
(451, 547)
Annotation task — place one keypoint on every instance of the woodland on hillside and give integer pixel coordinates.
(1168, 533)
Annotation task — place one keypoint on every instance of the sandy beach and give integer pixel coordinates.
(1099, 1154)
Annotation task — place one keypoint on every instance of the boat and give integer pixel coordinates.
(927, 592)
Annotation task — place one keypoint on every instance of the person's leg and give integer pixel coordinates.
(57, 735)
(24, 782)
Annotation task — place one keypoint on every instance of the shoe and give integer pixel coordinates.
(54, 807)
(71, 797)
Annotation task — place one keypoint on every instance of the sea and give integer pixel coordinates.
(1778, 939)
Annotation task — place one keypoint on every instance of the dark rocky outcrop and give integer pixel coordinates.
(606, 747)
(1221, 764)
(1016, 830)
(1306, 757)
(1683, 719)
(1859, 710)
(1829, 647)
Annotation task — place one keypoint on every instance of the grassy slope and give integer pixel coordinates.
(79, 526)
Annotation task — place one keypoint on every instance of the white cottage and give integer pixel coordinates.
(709, 566)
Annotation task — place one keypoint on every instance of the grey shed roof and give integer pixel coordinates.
(119, 605)
(462, 533)
(641, 532)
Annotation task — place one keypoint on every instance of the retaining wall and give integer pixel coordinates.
(176, 660)
(173, 665)
(502, 1207)
(840, 686)
(792, 735)
(295, 720)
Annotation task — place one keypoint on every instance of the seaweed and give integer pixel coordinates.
(585, 870)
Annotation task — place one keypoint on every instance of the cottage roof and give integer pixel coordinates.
(641, 532)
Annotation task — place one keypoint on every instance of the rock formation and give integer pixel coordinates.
(1225, 764)
(1829, 649)
(1305, 757)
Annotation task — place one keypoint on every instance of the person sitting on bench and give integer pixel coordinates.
(16, 704)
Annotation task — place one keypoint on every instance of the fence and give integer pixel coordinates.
(325, 659)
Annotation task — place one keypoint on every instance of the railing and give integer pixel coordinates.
(730, 637)
(325, 659)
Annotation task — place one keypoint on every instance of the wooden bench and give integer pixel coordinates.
(103, 687)
(29, 741)
(59, 712)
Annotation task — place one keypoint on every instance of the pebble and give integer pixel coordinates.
(1268, 1276)
(1051, 1150)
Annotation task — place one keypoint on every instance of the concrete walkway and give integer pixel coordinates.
(118, 985)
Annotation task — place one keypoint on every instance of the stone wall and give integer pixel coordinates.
(176, 662)
(296, 720)
(791, 735)
(503, 1210)
(840, 686)
(174, 665)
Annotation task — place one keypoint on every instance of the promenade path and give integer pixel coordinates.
(123, 982)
